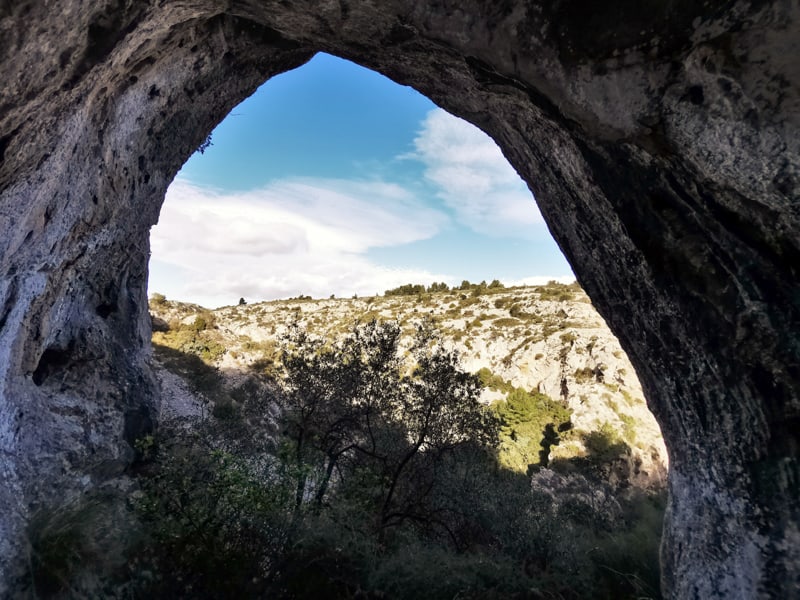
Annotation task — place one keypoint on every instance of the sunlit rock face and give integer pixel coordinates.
(661, 140)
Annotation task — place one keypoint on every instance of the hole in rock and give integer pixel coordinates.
(104, 310)
(52, 361)
(334, 195)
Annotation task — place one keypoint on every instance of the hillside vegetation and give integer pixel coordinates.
(543, 344)
(481, 442)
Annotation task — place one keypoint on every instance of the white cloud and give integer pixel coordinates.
(312, 236)
(291, 237)
(474, 179)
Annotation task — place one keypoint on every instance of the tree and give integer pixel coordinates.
(409, 289)
(364, 425)
(438, 287)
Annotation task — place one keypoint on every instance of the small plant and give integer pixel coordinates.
(628, 428)
(568, 338)
(584, 375)
(501, 302)
(506, 322)
(157, 299)
(205, 145)
(75, 546)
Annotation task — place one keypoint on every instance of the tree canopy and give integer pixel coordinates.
(361, 419)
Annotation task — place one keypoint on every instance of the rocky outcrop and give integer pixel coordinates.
(661, 140)
(548, 339)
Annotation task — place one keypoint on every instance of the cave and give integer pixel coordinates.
(662, 142)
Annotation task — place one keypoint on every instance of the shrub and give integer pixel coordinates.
(438, 287)
(213, 528)
(354, 410)
(568, 338)
(557, 292)
(584, 375)
(518, 312)
(530, 423)
(494, 382)
(628, 428)
(506, 322)
(76, 548)
(157, 299)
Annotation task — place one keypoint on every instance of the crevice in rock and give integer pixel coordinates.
(53, 360)
(104, 310)
(139, 422)
(8, 305)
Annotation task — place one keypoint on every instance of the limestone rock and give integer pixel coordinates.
(661, 140)
(560, 347)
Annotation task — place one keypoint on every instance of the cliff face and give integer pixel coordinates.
(556, 343)
(661, 140)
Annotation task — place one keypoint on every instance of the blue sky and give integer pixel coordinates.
(332, 179)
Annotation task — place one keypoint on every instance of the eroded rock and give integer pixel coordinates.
(661, 140)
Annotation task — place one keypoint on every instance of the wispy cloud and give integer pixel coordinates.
(473, 177)
(313, 235)
(291, 237)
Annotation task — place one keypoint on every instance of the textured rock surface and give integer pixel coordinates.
(560, 346)
(661, 140)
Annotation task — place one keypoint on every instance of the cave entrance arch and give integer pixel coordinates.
(332, 178)
(666, 164)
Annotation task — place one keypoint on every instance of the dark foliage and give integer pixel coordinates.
(380, 480)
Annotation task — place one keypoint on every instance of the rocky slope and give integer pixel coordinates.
(548, 339)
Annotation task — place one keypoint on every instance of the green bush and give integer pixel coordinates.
(518, 312)
(584, 375)
(78, 548)
(530, 425)
(438, 287)
(407, 574)
(158, 300)
(568, 338)
(557, 292)
(214, 529)
(197, 338)
(409, 289)
(494, 382)
(303, 508)
(506, 322)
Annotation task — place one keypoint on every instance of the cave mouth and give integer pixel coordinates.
(373, 182)
(665, 163)
(332, 179)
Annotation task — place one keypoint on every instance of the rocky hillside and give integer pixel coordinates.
(547, 339)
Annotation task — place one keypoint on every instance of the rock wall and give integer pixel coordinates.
(661, 139)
